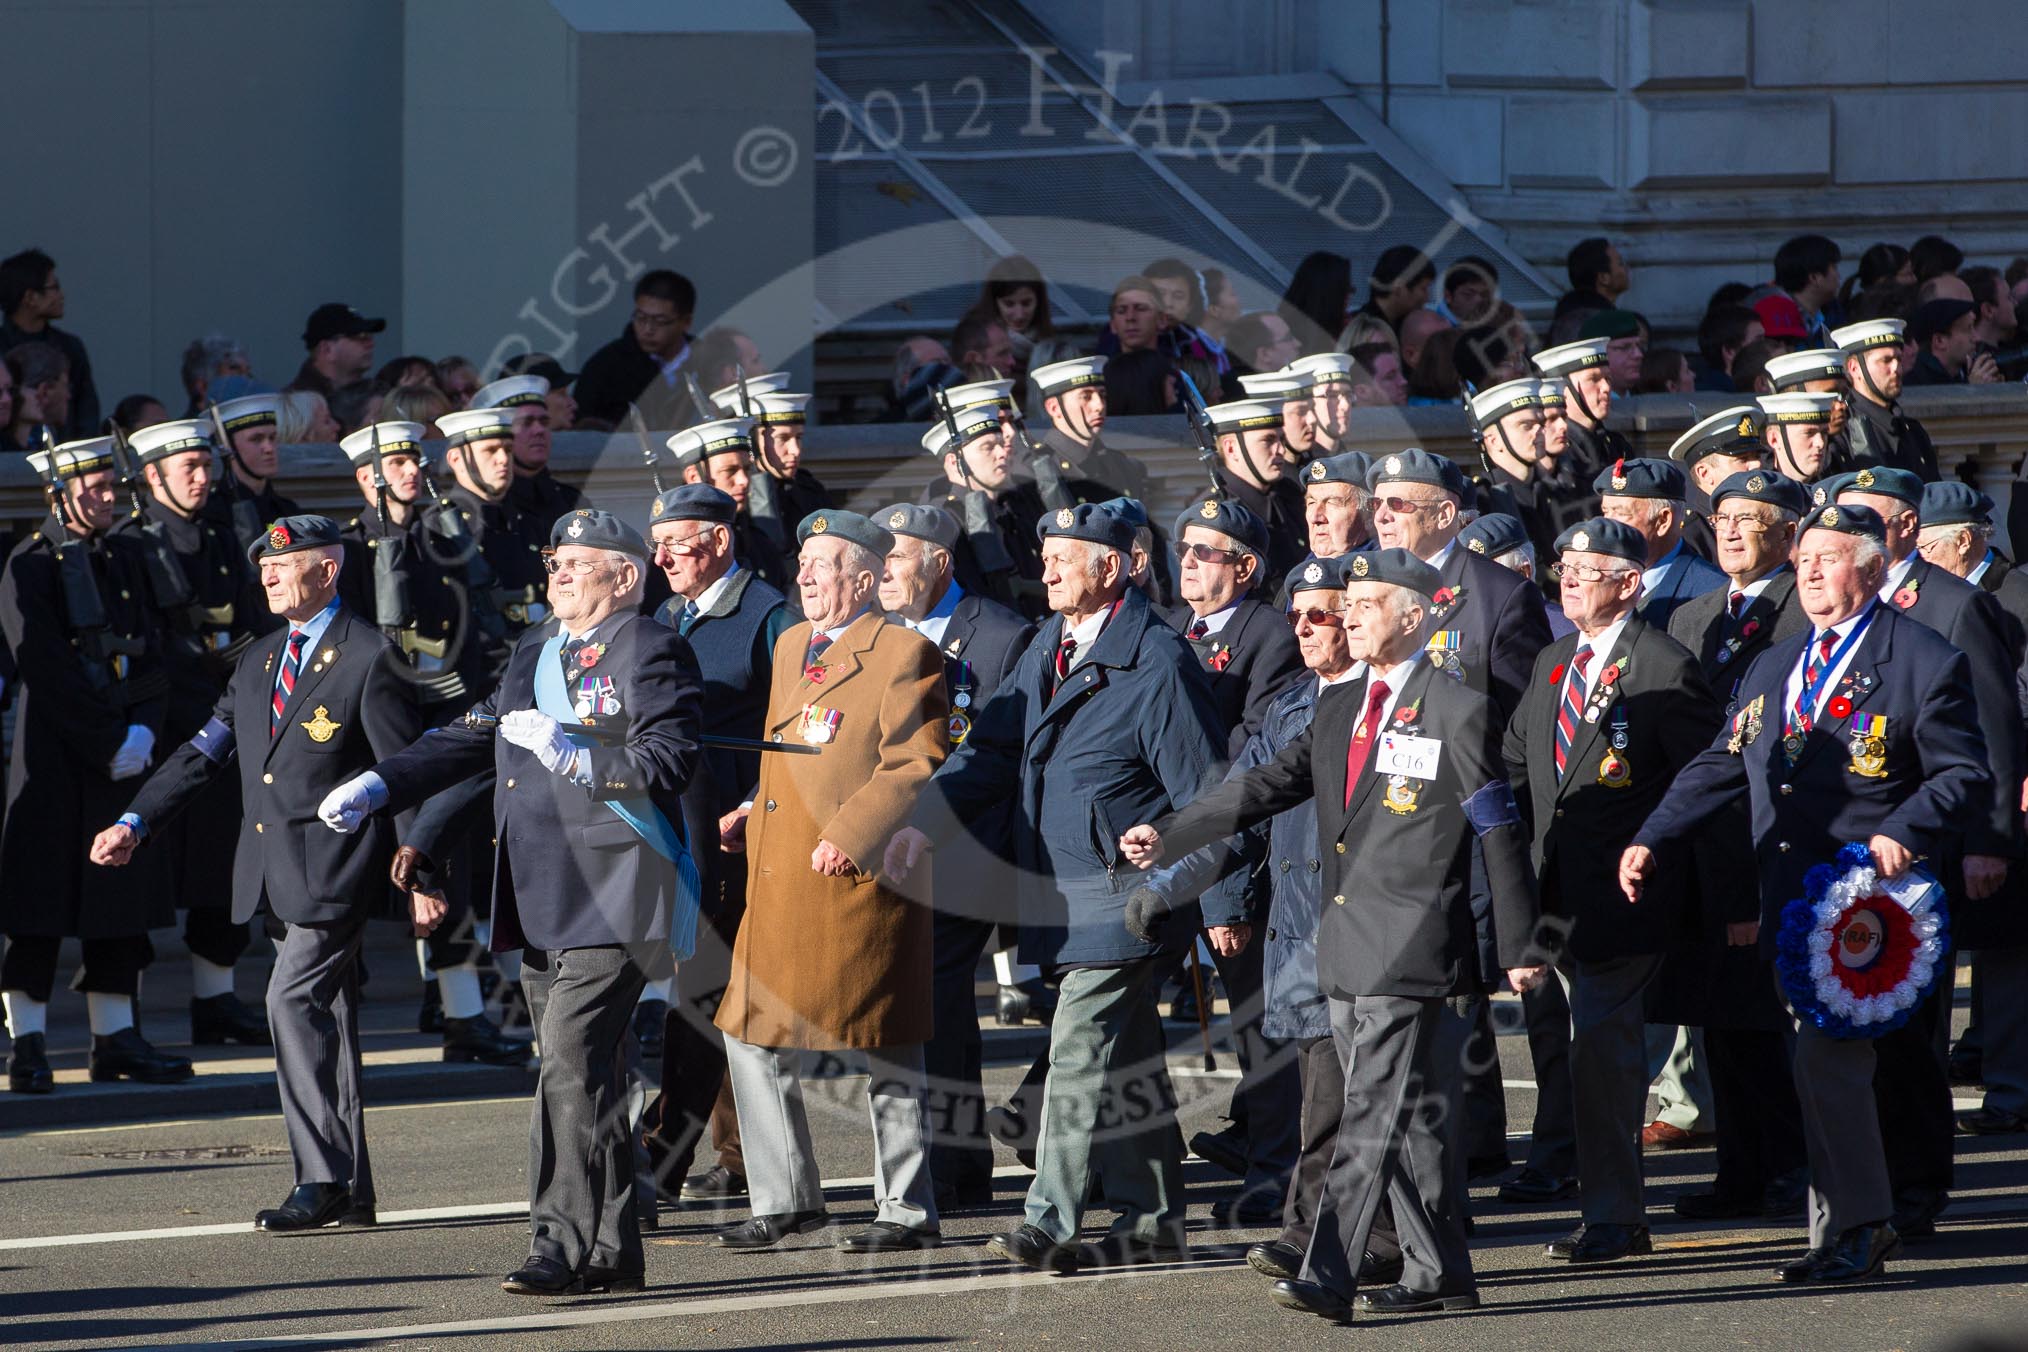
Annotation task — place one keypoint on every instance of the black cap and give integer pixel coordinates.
(1850, 519)
(694, 502)
(1611, 324)
(1417, 466)
(920, 521)
(540, 364)
(1315, 574)
(1130, 510)
(1494, 534)
(1229, 519)
(1347, 467)
(851, 526)
(1397, 567)
(1602, 535)
(1642, 479)
(1952, 502)
(289, 534)
(595, 529)
(1764, 485)
(1090, 521)
(1936, 316)
(335, 320)
(1886, 480)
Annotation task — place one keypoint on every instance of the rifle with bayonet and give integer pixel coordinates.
(393, 611)
(168, 585)
(976, 508)
(247, 526)
(647, 447)
(106, 655)
(1195, 413)
(763, 494)
(1049, 483)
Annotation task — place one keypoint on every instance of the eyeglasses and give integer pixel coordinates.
(1335, 500)
(1584, 572)
(648, 321)
(1746, 525)
(689, 546)
(1316, 619)
(1208, 554)
(1404, 506)
(571, 567)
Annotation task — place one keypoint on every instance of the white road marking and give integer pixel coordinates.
(252, 1117)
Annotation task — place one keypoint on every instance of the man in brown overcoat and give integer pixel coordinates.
(830, 955)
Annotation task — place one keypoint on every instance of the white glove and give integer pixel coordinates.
(344, 809)
(134, 753)
(537, 733)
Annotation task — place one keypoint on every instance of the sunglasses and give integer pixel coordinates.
(1316, 619)
(1404, 506)
(1208, 554)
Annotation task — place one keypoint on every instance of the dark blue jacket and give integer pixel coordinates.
(1688, 576)
(1284, 852)
(1131, 735)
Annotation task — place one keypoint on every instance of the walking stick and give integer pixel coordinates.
(1203, 1005)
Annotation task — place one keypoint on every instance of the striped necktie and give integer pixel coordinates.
(1569, 711)
(285, 686)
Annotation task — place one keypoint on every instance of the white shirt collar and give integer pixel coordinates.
(708, 598)
(1442, 556)
(1355, 672)
(1758, 585)
(932, 625)
(314, 627)
(1601, 650)
(1217, 619)
(1895, 576)
(1980, 570)
(834, 632)
(1087, 629)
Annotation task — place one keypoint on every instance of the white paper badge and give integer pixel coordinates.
(1402, 754)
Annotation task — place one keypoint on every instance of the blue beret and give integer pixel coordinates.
(1129, 510)
(595, 529)
(1417, 466)
(291, 533)
(1952, 502)
(1642, 479)
(694, 502)
(846, 526)
(1315, 574)
(1227, 518)
(1350, 467)
(1850, 519)
(1397, 567)
(920, 521)
(1602, 535)
(1090, 521)
(1882, 479)
(1764, 485)
(1494, 534)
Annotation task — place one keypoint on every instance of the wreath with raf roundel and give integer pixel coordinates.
(1856, 954)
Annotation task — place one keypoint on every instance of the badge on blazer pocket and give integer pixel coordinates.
(1403, 794)
(1868, 747)
(320, 726)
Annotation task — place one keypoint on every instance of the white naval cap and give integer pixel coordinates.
(1274, 387)
(468, 425)
(695, 445)
(1798, 406)
(1798, 368)
(74, 459)
(726, 399)
(1870, 333)
(1059, 376)
(511, 392)
(1491, 405)
(386, 438)
(994, 393)
(1243, 415)
(250, 410)
(1561, 361)
(1322, 368)
(165, 439)
(974, 422)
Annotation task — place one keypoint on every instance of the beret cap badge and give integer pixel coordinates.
(278, 537)
(820, 525)
(1581, 542)
(1064, 517)
(1209, 511)
(1864, 479)
(1360, 567)
(897, 519)
(1314, 573)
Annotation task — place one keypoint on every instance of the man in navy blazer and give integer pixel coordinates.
(1814, 785)
(588, 873)
(1652, 496)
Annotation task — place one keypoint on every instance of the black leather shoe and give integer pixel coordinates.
(1991, 1122)
(1276, 1259)
(357, 1215)
(1600, 1244)
(1400, 1300)
(430, 1018)
(716, 1184)
(764, 1232)
(28, 1069)
(476, 1039)
(648, 1016)
(1121, 1249)
(1799, 1269)
(1716, 1206)
(1030, 1247)
(1916, 1210)
(127, 1055)
(1224, 1150)
(1533, 1187)
(541, 1277)
(309, 1206)
(1025, 1000)
(218, 1019)
(1860, 1253)
(1311, 1298)
(890, 1237)
(1377, 1271)
(598, 1280)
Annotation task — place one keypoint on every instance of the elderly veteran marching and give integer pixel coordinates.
(830, 956)
(1106, 720)
(1418, 779)
(307, 706)
(1859, 734)
(597, 732)
(1652, 497)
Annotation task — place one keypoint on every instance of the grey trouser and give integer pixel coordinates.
(313, 1008)
(1609, 1084)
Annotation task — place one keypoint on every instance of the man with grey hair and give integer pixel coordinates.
(597, 721)
(1106, 720)
(307, 707)
(207, 359)
(1652, 497)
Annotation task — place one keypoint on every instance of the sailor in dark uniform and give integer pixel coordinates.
(1327, 377)
(1080, 467)
(203, 629)
(782, 489)
(721, 454)
(479, 449)
(995, 555)
(1818, 370)
(1299, 419)
(245, 500)
(1254, 472)
(1880, 433)
(535, 491)
(1797, 430)
(1580, 369)
(1712, 451)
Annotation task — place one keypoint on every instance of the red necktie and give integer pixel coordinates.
(286, 685)
(1064, 650)
(1567, 711)
(818, 642)
(1360, 750)
(1196, 631)
(1736, 605)
(1799, 717)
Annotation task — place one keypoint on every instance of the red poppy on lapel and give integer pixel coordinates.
(1839, 707)
(1556, 676)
